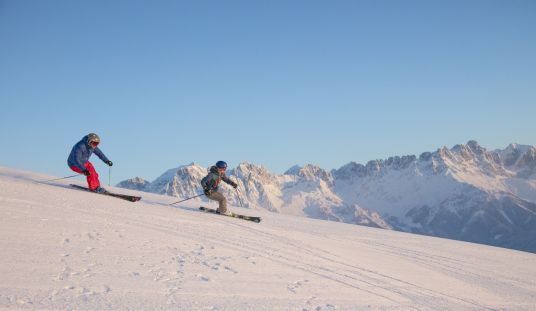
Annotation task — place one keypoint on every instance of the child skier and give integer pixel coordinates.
(210, 185)
(79, 160)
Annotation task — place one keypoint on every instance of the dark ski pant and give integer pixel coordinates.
(216, 196)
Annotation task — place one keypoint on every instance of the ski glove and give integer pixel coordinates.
(207, 192)
(86, 172)
(109, 163)
(233, 184)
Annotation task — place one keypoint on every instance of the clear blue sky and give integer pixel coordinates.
(277, 83)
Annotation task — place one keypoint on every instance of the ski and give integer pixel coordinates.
(130, 198)
(250, 218)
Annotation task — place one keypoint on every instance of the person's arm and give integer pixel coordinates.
(206, 183)
(229, 181)
(101, 155)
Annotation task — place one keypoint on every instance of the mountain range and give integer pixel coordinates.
(465, 192)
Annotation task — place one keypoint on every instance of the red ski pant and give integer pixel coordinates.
(93, 178)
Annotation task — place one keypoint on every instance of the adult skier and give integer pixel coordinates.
(79, 160)
(211, 182)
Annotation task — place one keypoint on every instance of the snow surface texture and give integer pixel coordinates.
(465, 193)
(68, 249)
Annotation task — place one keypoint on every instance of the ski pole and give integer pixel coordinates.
(109, 175)
(239, 199)
(187, 199)
(49, 180)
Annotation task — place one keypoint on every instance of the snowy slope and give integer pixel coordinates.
(68, 249)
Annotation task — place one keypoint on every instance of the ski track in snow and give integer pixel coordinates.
(65, 249)
(349, 275)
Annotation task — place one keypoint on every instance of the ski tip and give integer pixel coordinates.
(135, 199)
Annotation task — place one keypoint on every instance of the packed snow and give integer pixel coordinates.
(68, 249)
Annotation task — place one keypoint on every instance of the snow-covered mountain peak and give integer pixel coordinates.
(475, 147)
(471, 147)
(311, 172)
(464, 158)
(445, 154)
(464, 151)
(136, 183)
(249, 171)
(350, 171)
(425, 156)
(293, 170)
(516, 148)
(180, 181)
(374, 167)
(519, 158)
(400, 163)
(192, 168)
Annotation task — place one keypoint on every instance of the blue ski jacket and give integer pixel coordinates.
(81, 152)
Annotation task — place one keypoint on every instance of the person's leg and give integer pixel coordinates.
(76, 169)
(216, 196)
(93, 178)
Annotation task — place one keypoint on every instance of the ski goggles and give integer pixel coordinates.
(94, 143)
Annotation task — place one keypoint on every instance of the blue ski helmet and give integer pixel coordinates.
(221, 164)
